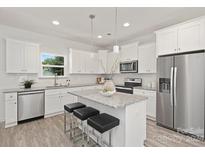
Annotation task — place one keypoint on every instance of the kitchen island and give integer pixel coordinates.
(130, 109)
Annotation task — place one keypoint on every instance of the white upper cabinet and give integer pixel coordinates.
(113, 60)
(190, 36)
(184, 37)
(167, 41)
(91, 63)
(83, 62)
(31, 58)
(76, 61)
(102, 61)
(21, 57)
(129, 52)
(14, 56)
(147, 58)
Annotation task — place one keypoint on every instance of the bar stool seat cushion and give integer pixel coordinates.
(85, 113)
(103, 122)
(71, 107)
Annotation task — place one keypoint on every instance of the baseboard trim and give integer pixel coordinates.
(151, 118)
(53, 114)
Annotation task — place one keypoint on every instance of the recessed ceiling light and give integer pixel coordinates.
(108, 34)
(56, 22)
(99, 36)
(126, 24)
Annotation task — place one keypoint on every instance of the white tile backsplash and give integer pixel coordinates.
(146, 78)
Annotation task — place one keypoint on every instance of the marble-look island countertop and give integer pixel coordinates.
(115, 101)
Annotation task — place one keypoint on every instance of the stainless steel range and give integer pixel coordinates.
(129, 84)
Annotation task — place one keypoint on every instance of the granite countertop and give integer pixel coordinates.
(116, 101)
(22, 89)
(45, 88)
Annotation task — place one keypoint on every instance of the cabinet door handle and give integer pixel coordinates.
(175, 49)
(14, 102)
(179, 49)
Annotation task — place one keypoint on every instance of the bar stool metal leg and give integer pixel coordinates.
(64, 121)
(101, 140)
(74, 125)
(71, 126)
(83, 131)
(88, 134)
(110, 138)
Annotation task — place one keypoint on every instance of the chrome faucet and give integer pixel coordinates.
(55, 80)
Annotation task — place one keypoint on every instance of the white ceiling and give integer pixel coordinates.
(75, 24)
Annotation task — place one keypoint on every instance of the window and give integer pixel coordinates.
(52, 64)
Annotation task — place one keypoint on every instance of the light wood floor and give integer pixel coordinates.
(49, 133)
(161, 137)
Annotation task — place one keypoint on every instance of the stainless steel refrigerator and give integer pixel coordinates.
(181, 92)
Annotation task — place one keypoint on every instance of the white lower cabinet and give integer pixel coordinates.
(10, 109)
(52, 102)
(55, 101)
(151, 102)
(67, 98)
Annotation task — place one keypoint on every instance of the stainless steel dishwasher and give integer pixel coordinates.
(30, 105)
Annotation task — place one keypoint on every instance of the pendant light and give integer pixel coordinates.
(92, 17)
(116, 47)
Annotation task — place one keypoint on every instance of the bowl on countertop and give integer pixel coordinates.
(107, 93)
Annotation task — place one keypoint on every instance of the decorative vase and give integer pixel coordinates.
(109, 86)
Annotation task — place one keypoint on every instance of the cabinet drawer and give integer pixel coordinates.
(52, 92)
(10, 96)
(145, 92)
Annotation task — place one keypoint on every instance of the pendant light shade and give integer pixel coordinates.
(116, 48)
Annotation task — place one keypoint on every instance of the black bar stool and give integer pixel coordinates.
(103, 123)
(83, 114)
(69, 108)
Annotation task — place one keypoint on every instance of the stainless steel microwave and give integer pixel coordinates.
(129, 66)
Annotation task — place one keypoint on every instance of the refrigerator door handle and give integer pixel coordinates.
(175, 86)
(171, 86)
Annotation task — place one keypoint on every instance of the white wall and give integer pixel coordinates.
(47, 44)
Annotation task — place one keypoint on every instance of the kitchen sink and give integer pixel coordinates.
(57, 87)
